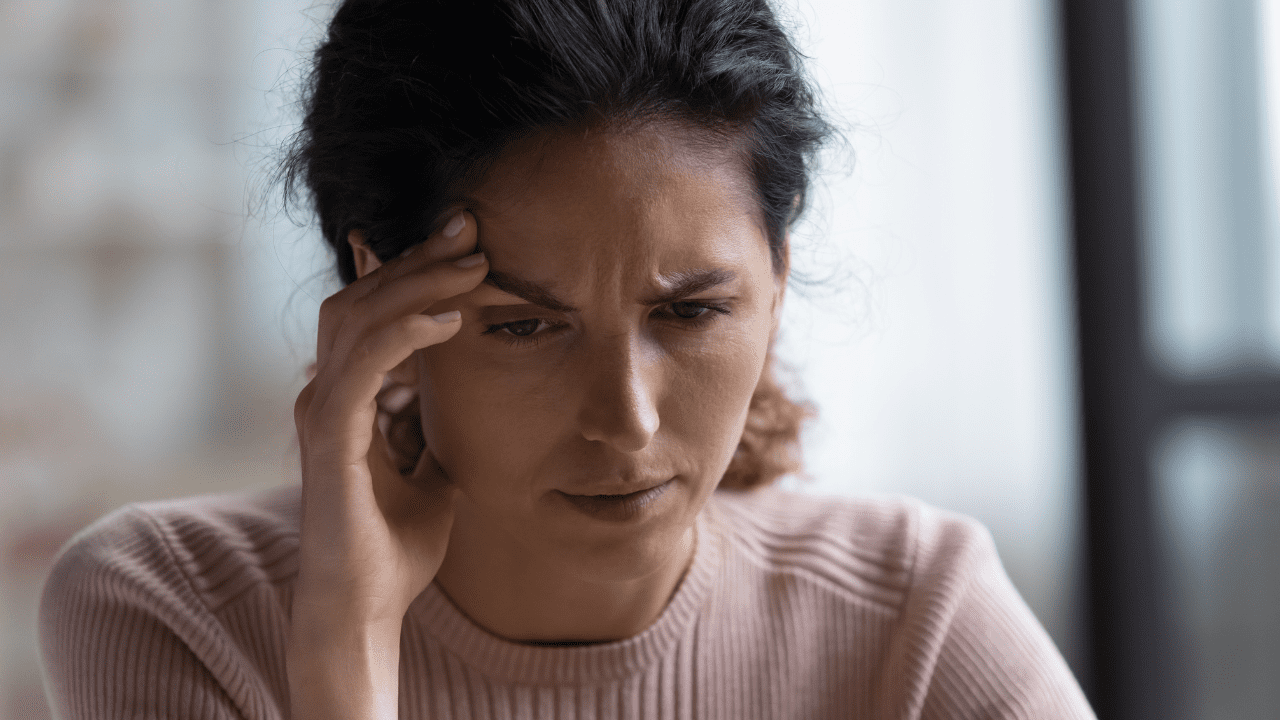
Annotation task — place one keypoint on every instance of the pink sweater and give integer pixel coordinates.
(794, 607)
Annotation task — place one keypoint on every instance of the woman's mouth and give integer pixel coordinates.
(617, 508)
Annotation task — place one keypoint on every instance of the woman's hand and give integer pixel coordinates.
(372, 536)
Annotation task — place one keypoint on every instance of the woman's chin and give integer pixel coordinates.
(618, 539)
(594, 538)
(648, 553)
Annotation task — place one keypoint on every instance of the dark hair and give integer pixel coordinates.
(411, 101)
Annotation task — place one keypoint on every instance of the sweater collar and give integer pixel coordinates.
(506, 661)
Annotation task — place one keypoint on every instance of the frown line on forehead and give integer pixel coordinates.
(672, 287)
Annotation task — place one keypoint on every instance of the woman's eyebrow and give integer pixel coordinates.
(527, 290)
(679, 285)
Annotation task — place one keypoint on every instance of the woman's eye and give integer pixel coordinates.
(522, 333)
(686, 314)
(688, 310)
(523, 328)
(691, 314)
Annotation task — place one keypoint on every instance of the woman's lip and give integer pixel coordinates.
(616, 508)
(604, 492)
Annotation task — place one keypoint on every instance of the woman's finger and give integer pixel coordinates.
(415, 292)
(353, 385)
(440, 246)
(337, 308)
(406, 295)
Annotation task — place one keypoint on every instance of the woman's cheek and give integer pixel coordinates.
(712, 390)
(484, 418)
(452, 407)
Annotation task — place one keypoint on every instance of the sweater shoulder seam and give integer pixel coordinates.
(172, 555)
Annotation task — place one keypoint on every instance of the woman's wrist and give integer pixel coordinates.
(343, 669)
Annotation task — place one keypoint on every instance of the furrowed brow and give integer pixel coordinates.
(527, 290)
(680, 285)
(683, 284)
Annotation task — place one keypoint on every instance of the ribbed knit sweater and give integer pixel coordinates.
(793, 607)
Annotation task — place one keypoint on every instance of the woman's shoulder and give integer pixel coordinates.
(185, 600)
(923, 586)
(891, 542)
(215, 544)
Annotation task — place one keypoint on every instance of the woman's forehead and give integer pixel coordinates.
(583, 260)
(619, 209)
(616, 173)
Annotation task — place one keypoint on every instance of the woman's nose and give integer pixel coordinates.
(619, 406)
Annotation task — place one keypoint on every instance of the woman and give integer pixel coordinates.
(537, 446)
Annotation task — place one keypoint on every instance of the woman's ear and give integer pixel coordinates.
(366, 261)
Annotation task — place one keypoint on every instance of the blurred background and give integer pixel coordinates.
(1113, 419)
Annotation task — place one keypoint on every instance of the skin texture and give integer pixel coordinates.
(611, 333)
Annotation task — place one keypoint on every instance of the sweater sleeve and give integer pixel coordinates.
(124, 635)
(990, 656)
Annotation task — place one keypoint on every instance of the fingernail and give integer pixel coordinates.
(455, 225)
(445, 318)
(470, 261)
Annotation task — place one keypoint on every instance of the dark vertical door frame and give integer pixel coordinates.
(1130, 674)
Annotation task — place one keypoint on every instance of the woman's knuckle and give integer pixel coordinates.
(407, 324)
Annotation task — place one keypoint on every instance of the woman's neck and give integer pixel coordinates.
(520, 596)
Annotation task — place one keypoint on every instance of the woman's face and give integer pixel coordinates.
(612, 351)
